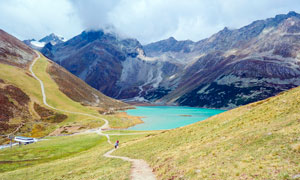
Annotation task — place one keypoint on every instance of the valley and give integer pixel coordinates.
(101, 104)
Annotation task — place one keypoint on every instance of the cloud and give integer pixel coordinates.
(152, 20)
(35, 18)
(146, 20)
(94, 13)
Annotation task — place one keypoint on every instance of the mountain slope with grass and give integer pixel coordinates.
(21, 105)
(257, 141)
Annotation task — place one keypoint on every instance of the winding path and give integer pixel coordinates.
(140, 169)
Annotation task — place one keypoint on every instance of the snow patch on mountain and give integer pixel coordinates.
(38, 44)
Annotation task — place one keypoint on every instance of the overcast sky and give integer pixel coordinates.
(146, 20)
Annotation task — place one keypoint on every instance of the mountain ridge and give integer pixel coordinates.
(184, 72)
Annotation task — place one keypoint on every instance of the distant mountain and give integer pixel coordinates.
(231, 68)
(52, 38)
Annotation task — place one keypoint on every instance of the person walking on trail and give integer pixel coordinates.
(117, 144)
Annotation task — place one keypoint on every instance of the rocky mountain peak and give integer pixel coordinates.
(171, 39)
(52, 38)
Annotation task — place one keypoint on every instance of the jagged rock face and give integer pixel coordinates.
(14, 51)
(228, 69)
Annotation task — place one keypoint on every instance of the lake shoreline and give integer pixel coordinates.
(169, 117)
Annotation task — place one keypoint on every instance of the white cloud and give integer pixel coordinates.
(146, 20)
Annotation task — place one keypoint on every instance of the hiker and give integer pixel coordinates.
(117, 144)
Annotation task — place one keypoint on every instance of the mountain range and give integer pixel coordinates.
(231, 68)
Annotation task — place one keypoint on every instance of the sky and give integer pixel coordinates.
(145, 20)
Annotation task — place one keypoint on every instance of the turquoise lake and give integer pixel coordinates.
(169, 117)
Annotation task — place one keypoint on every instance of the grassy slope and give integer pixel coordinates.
(59, 100)
(256, 141)
(64, 158)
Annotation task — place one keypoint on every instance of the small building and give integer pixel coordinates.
(25, 140)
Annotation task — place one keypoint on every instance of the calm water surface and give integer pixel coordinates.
(169, 117)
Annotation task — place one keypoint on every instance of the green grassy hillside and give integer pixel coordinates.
(257, 141)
